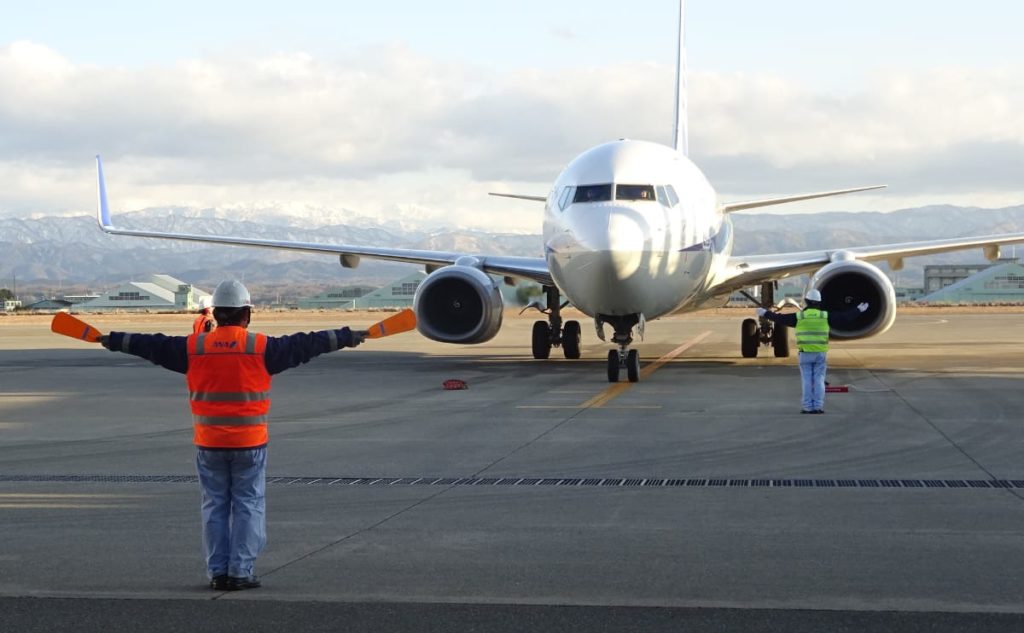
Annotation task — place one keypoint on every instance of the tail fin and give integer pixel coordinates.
(681, 132)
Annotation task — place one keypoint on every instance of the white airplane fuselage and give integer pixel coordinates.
(647, 244)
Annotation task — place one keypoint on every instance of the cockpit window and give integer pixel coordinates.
(673, 197)
(634, 192)
(662, 196)
(563, 200)
(593, 193)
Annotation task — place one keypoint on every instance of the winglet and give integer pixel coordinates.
(102, 209)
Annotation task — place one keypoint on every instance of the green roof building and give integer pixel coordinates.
(398, 294)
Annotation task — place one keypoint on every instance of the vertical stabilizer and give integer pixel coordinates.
(681, 132)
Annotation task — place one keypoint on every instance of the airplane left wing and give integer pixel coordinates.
(531, 268)
(744, 271)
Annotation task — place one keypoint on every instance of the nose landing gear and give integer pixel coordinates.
(622, 358)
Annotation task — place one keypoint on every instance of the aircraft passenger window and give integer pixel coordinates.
(563, 200)
(663, 197)
(593, 193)
(673, 198)
(634, 192)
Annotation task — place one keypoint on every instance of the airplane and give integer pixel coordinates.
(632, 231)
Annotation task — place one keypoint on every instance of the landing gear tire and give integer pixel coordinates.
(780, 341)
(541, 340)
(571, 339)
(748, 338)
(613, 366)
(633, 366)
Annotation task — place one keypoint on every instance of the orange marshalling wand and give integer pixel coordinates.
(401, 322)
(64, 323)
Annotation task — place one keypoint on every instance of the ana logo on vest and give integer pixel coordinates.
(227, 344)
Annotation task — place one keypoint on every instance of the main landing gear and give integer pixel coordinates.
(622, 358)
(552, 333)
(757, 332)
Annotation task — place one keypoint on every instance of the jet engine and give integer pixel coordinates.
(846, 283)
(458, 304)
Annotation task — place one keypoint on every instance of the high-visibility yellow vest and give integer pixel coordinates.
(812, 330)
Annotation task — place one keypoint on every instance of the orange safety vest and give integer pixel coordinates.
(228, 388)
(203, 323)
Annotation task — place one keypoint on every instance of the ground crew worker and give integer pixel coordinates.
(204, 322)
(228, 372)
(812, 331)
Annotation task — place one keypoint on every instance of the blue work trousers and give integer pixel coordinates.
(234, 508)
(812, 374)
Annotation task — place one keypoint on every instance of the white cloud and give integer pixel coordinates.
(385, 131)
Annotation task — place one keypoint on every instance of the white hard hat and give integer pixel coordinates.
(231, 294)
(813, 295)
(204, 303)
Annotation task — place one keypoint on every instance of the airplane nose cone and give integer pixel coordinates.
(625, 245)
(602, 272)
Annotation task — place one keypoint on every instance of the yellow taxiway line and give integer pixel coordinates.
(619, 388)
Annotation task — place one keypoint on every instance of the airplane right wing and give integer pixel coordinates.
(730, 207)
(530, 268)
(745, 271)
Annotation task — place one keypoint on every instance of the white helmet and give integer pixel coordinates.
(204, 303)
(813, 295)
(231, 294)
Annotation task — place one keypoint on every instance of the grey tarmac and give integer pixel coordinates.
(541, 498)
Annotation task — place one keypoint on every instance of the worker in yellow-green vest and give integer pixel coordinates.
(812, 330)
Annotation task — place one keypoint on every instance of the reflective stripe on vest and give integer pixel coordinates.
(812, 330)
(229, 388)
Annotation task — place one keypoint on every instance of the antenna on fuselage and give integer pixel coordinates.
(680, 132)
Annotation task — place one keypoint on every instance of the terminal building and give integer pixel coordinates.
(334, 299)
(1001, 283)
(158, 293)
(939, 276)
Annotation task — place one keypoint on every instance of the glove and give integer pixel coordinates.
(358, 336)
(862, 307)
(104, 340)
(760, 312)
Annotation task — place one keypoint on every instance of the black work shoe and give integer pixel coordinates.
(220, 583)
(818, 411)
(806, 411)
(237, 584)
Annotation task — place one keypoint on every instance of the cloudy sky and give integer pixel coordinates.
(415, 110)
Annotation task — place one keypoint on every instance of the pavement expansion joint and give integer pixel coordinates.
(521, 481)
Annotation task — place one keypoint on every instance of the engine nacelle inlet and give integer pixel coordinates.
(845, 284)
(458, 304)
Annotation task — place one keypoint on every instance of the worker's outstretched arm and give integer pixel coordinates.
(842, 317)
(170, 352)
(285, 352)
(789, 320)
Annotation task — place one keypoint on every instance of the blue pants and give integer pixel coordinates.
(812, 374)
(234, 509)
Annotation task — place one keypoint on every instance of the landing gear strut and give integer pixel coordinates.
(551, 333)
(757, 332)
(623, 357)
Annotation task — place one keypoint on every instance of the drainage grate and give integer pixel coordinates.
(560, 482)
